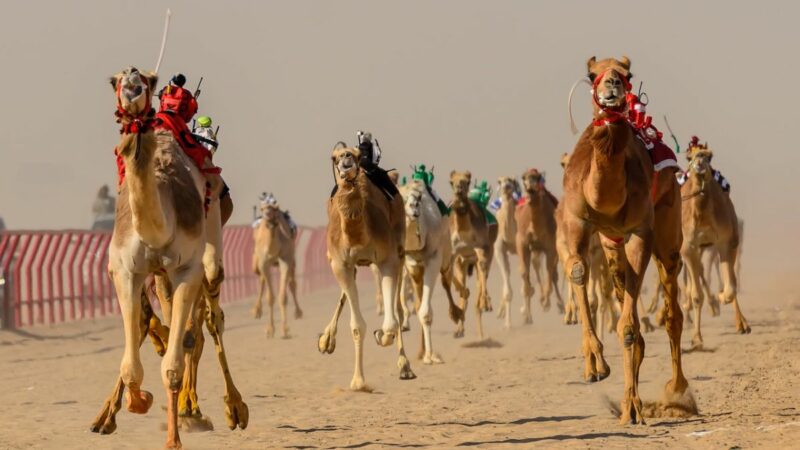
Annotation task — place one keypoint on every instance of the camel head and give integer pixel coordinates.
(134, 90)
(533, 180)
(270, 211)
(346, 163)
(565, 160)
(700, 158)
(394, 176)
(412, 196)
(507, 186)
(611, 80)
(460, 182)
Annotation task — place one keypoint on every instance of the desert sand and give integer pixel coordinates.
(522, 390)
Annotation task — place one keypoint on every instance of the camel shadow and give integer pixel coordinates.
(556, 437)
(690, 350)
(485, 343)
(521, 421)
(26, 335)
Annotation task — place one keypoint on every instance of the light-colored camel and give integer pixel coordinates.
(709, 220)
(536, 235)
(275, 246)
(472, 238)
(610, 187)
(160, 227)
(428, 253)
(364, 228)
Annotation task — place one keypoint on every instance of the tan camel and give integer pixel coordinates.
(709, 220)
(160, 227)
(536, 235)
(376, 273)
(506, 243)
(611, 187)
(364, 227)
(473, 240)
(275, 246)
(428, 254)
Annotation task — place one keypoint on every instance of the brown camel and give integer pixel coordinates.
(611, 187)
(536, 235)
(473, 246)
(275, 246)
(709, 220)
(364, 228)
(161, 228)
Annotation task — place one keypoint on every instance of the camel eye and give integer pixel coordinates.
(592, 76)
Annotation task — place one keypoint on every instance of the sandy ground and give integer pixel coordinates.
(525, 391)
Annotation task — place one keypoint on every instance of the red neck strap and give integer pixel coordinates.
(134, 124)
(610, 115)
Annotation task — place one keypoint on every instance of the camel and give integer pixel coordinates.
(612, 187)
(473, 240)
(536, 235)
(275, 246)
(364, 227)
(428, 253)
(709, 220)
(161, 228)
(506, 243)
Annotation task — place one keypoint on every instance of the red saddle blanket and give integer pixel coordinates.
(662, 156)
(194, 150)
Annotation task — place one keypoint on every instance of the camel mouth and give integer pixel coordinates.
(610, 100)
(347, 167)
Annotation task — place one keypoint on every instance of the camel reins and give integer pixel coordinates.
(702, 189)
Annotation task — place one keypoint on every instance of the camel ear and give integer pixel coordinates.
(625, 62)
(152, 80)
(590, 63)
(469, 175)
(113, 80)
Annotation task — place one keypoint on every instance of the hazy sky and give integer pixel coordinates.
(479, 85)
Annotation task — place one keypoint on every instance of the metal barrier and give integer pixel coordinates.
(49, 277)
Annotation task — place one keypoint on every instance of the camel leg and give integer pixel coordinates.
(710, 262)
(483, 302)
(503, 262)
(455, 313)
(667, 249)
(236, 411)
(404, 310)
(128, 287)
(266, 271)
(524, 252)
(378, 290)
(414, 270)
(327, 340)
(298, 313)
(257, 308)
(636, 257)
(577, 234)
(346, 278)
(390, 272)
(402, 360)
(551, 278)
(460, 280)
(536, 263)
(106, 422)
(694, 268)
(425, 312)
(283, 295)
(729, 294)
(187, 289)
(656, 294)
(190, 418)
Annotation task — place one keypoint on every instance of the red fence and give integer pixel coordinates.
(55, 276)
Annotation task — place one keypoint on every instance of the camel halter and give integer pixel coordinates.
(611, 115)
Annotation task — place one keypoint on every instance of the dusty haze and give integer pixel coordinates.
(454, 84)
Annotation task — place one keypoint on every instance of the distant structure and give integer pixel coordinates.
(103, 210)
(2, 224)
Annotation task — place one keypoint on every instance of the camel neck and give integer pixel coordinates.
(138, 151)
(606, 188)
(350, 200)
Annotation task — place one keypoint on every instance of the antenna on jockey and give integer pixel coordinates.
(677, 145)
(163, 40)
(197, 90)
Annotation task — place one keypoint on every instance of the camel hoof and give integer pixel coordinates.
(237, 414)
(139, 404)
(545, 306)
(107, 427)
(173, 445)
(744, 329)
(433, 359)
(405, 369)
(270, 332)
(257, 313)
(384, 339)
(358, 385)
(326, 343)
(298, 313)
(406, 327)
(648, 326)
(458, 334)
